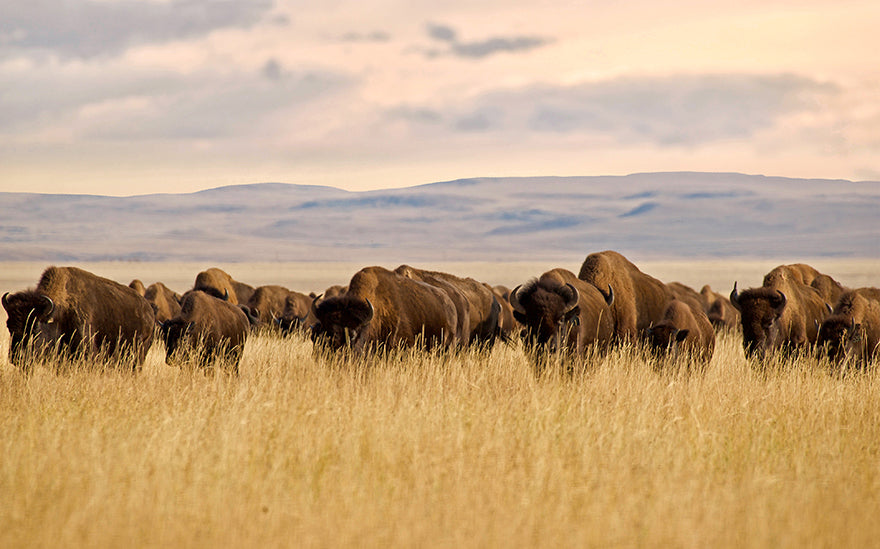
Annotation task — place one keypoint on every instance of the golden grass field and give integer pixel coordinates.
(433, 450)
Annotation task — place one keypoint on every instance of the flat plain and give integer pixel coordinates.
(440, 450)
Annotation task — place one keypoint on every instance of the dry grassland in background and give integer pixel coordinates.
(435, 450)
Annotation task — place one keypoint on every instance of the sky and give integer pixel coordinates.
(126, 97)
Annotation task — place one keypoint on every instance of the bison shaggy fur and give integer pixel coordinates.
(79, 312)
(853, 329)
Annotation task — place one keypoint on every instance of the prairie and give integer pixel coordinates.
(439, 450)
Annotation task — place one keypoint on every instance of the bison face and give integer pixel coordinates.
(838, 338)
(664, 338)
(760, 311)
(548, 316)
(31, 324)
(175, 334)
(343, 322)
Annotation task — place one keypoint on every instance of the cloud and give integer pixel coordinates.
(89, 28)
(666, 111)
(374, 36)
(133, 104)
(482, 48)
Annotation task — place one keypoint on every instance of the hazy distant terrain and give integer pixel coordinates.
(681, 215)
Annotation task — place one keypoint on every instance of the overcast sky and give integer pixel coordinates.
(132, 97)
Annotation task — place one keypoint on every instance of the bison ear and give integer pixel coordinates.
(681, 334)
(573, 315)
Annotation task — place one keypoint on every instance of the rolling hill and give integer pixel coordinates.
(679, 215)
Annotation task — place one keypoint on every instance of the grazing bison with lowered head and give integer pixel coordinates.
(684, 332)
(79, 312)
(719, 309)
(383, 310)
(165, 302)
(297, 312)
(561, 312)
(477, 309)
(639, 299)
(267, 304)
(207, 328)
(781, 315)
(508, 325)
(853, 329)
(219, 284)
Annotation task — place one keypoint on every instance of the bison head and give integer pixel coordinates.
(31, 321)
(342, 322)
(547, 309)
(760, 310)
(664, 336)
(175, 334)
(839, 337)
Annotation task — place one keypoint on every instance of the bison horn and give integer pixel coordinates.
(573, 302)
(314, 308)
(50, 307)
(828, 307)
(226, 294)
(514, 301)
(734, 297)
(5, 301)
(782, 301)
(372, 311)
(609, 299)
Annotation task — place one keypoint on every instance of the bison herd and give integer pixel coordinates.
(609, 303)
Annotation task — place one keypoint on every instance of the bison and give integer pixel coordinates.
(477, 309)
(219, 284)
(267, 304)
(508, 325)
(561, 312)
(782, 314)
(297, 312)
(639, 299)
(79, 313)
(853, 329)
(165, 302)
(684, 331)
(721, 312)
(384, 310)
(207, 328)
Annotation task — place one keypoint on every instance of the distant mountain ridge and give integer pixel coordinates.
(677, 215)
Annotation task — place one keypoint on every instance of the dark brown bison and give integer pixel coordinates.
(477, 309)
(780, 315)
(853, 329)
(219, 284)
(561, 312)
(207, 328)
(165, 302)
(719, 309)
(384, 310)
(137, 286)
(684, 332)
(79, 313)
(639, 299)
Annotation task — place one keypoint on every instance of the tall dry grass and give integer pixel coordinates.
(433, 450)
